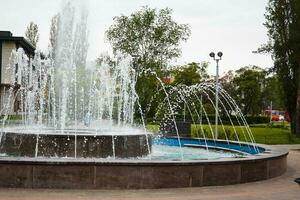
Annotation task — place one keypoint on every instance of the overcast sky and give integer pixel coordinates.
(232, 26)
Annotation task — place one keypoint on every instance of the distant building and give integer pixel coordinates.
(8, 42)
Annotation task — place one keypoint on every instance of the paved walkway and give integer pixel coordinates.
(281, 188)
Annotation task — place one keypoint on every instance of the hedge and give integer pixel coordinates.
(225, 120)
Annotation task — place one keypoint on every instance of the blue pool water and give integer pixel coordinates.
(195, 149)
(165, 152)
(239, 147)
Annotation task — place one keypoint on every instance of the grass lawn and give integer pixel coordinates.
(261, 133)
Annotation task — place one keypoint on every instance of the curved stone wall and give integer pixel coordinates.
(88, 174)
(63, 145)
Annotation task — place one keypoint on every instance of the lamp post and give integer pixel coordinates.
(220, 54)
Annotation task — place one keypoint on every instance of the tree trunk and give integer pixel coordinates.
(297, 117)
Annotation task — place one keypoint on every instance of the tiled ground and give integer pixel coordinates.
(281, 188)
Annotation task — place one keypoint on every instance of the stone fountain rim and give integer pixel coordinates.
(72, 132)
(270, 153)
(141, 174)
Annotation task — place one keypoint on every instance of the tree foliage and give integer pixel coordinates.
(248, 85)
(226, 81)
(272, 93)
(283, 22)
(152, 37)
(191, 74)
(32, 34)
(254, 89)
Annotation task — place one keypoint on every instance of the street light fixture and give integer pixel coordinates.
(213, 55)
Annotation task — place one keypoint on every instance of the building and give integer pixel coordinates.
(8, 42)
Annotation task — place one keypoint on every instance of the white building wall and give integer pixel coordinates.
(8, 75)
(6, 101)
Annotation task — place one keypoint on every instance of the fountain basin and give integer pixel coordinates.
(140, 174)
(50, 143)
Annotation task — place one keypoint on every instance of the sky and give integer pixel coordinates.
(234, 27)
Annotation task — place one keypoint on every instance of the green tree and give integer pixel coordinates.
(32, 34)
(248, 84)
(152, 37)
(283, 22)
(226, 81)
(191, 74)
(272, 92)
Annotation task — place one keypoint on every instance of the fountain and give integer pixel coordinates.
(77, 127)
